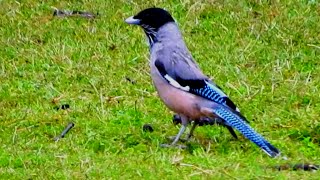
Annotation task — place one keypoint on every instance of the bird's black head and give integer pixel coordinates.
(151, 18)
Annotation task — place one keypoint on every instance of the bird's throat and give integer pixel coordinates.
(152, 39)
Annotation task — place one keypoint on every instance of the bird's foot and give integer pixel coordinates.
(183, 140)
(178, 146)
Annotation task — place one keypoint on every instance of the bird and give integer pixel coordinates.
(180, 83)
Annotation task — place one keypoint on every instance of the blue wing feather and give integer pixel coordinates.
(214, 93)
(209, 91)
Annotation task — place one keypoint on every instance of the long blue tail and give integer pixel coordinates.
(236, 121)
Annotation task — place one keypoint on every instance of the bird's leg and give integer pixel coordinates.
(184, 122)
(181, 131)
(191, 130)
(177, 120)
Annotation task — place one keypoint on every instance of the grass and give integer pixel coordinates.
(264, 54)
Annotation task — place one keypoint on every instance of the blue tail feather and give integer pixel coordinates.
(236, 121)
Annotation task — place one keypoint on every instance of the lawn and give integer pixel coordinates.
(264, 54)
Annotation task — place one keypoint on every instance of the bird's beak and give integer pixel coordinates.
(131, 20)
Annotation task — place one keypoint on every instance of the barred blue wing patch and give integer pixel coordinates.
(211, 92)
(214, 93)
(208, 93)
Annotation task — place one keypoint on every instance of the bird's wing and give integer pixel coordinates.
(182, 72)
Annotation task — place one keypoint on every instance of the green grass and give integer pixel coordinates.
(265, 55)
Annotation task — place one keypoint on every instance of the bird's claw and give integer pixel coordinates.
(178, 146)
(183, 140)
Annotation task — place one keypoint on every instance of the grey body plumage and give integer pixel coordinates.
(180, 83)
